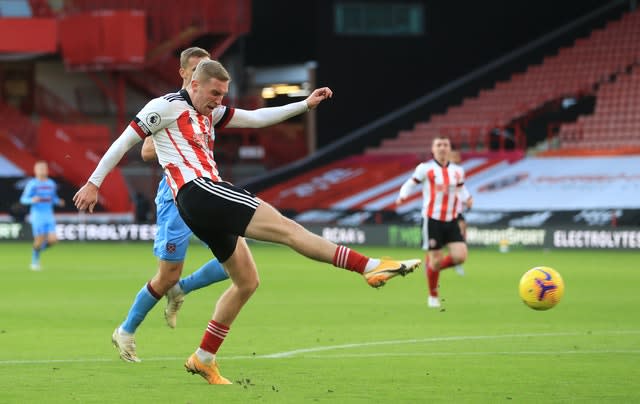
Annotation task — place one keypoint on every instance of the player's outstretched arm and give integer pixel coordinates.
(259, 118)
(87, 197)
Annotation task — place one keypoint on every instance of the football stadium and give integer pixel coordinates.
(346, 201)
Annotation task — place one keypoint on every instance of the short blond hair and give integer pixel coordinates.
(193, 52)
(208, 69)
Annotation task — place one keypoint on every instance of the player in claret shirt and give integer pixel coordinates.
(41, 195)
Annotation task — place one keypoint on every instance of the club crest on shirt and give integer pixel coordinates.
(207, 123)
(153, 119)
(201, 139)
(444, 189)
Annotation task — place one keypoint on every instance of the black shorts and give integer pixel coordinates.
(437, 234)
(216, 212)
(460, 218)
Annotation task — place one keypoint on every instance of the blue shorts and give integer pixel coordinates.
(172, 236)
(43, 226)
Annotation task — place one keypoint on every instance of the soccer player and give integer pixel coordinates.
(220, 214)
(41, 194)
(170, 246)
(441, 181)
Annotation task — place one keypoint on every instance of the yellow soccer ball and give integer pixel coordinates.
(541, 288)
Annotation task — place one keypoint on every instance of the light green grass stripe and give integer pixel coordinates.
(302, 352)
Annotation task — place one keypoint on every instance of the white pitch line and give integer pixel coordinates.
(288, 354)
(303, 351)
(499, 353)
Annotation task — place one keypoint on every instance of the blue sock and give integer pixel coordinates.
(143, 303)
(35, 255)
(209, 273)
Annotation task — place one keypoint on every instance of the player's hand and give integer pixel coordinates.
(399, 200)
(36, 199)
(317, 96)
(61, 203)
(86, 198)
(469, 203)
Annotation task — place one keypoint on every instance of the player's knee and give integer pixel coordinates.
(248, 286)
(460, 257)
(169, 272)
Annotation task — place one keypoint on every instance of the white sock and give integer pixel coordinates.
(204, 356)
(176, 289)
(123, 332)
(371, 264)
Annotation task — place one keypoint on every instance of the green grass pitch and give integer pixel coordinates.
(314, 333)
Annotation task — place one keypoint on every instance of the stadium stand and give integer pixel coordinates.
(575, 71)
(116, 46)
(169, 28)
(487, 127)
(616, 119)
(367, 183)
(604, 64)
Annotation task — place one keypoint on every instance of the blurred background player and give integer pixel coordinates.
(170, 246)
(218, 212)
(442, 181)
(41, 194)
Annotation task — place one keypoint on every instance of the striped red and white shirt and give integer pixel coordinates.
(441, 186)
(183, 138)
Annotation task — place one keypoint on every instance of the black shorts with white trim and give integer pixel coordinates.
(216, 212)
(438, 233)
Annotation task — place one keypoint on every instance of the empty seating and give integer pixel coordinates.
(615, 122)
(572, 72)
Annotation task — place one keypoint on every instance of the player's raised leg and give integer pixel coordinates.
(269, 225)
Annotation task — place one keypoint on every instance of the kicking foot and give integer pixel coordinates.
(387, 269)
